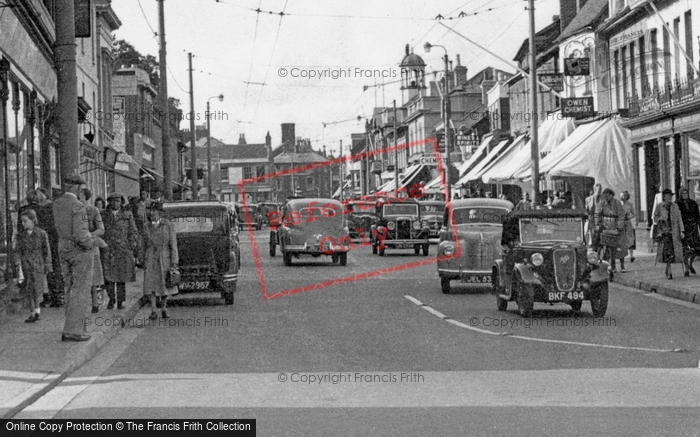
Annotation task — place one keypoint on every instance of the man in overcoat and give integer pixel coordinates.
(591, 205)
(75, 250)
(118, 260)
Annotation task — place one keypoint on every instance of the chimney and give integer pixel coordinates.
(268, 139)
(288, 137)
(460, 73)
(567, 11)
(324, 150)
(241, 140)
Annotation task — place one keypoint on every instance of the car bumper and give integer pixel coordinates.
(304, 248)
(392, 243)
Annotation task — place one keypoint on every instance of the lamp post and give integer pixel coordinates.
(446, 110)
(221, 99)
(4, 97)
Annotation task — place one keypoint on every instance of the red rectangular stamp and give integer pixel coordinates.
(319, 226)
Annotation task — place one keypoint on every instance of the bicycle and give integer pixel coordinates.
(607, 244)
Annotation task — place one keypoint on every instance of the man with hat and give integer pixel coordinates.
(118, 261)
(75, 250)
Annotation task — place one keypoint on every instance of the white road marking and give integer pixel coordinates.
(17, 387)
(600, 388)
(520, 337)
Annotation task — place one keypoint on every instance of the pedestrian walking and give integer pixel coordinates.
(670, 231)
(118, 262)
(609, 216)
(75, 249)
(590, 206)
(45, 216)
(160, 256)
(34, 255)
(524, 204)
(97, 229)
(630, 235)
(690, 214)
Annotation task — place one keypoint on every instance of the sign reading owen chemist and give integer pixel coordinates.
(580, 107)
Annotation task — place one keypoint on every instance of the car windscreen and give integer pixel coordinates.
(533, 230)
(432, 209)
(480, 215)
(198, 223)
(400, 209)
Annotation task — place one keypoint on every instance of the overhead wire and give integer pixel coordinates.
(250, 71)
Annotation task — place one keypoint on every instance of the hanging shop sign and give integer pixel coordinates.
(555, 81)
(577, 66)
(579, 107)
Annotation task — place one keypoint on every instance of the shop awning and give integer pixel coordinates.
(410, 176)
(475, 173)
(345, 187)
(503, 159)
(600, 150)
(476, 156)
(551, 133)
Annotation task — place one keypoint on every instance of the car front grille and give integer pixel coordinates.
(565, 269)
(479, 256)
(403, 229)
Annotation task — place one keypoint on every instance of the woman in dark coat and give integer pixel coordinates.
(34, 255)
(160, 255)
(118, 261)
(667, 218)
(690, 213)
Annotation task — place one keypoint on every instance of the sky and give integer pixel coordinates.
(262, 62)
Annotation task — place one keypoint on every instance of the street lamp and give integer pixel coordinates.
(446, 108)
(221, 99)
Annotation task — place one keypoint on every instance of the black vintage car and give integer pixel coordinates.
(432, 212)
(249, 216)
(362, 217)
(545, 259)
(400, 227)
(208, 246)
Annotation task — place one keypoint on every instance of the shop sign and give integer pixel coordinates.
(428, 160)
(554, 81)
(579, 107)
(577, 66)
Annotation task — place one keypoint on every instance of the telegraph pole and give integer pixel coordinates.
(340, 175)
(534, 146)
(67, 88)
(447, 110)
(396, 155)
(165, 110)
(195, 190)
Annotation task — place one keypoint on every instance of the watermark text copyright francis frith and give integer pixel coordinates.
(335, 73)
(546, 322)
(352, 378)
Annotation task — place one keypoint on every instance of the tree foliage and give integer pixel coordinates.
(126, 54)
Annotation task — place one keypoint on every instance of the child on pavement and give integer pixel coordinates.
(35, 257)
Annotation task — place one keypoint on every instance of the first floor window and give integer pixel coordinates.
(223, 171)
(247, 172)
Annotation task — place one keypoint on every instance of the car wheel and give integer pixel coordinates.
(381, 252)
(525, 300)
(374, 248)
(576, 305)
(426, 249)
(501, 304)
(228, 294)
(334, 258)
(343, 259)
(273, 249)
(416, 249)
(599, 302)
(445, 285)
(287, 256)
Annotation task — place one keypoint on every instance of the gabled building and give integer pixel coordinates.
(296, 152)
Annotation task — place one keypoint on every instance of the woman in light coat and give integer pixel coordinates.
(34, 254)
(160, 255)
(667, 219)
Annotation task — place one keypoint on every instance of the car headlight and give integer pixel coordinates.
(592, 258)
(391, 226)
(537, 259)
(416, 225)
(448, 250)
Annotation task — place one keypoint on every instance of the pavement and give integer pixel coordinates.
(34, 360)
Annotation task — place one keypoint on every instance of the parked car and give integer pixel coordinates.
(208, 246)
(253, 219)
(363, 216)
(545, 259)
(432, 213)
(470, 242)
(313, 227)
(401, 226)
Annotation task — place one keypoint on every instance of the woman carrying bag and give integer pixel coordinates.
(670, 232)
(160, 259)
